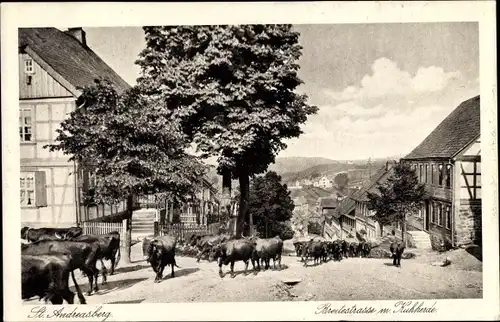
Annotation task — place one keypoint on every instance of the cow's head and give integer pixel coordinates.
(24, 232)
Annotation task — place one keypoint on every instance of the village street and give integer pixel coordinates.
(350, 279)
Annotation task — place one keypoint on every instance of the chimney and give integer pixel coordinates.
(77, 33)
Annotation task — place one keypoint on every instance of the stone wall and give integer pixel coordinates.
(440, 237)
(468, 227)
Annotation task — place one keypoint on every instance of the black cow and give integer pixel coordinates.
(34, 234)
(83, 256)
(336, 250)
(314, 249)
(364, 249)
(267, 249)
(345, 249)
(47, 276)
(206, 243)
(160, 252)
(109, 248)
(353, 249)
(397, 250)
(233, 251)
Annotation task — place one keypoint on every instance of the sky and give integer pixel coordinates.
(380, 88)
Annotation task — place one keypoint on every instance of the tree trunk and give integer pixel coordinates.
(226, 198)
(128, 235)
(403, 231)
(244, 195)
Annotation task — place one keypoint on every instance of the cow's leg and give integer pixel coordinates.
(159, 271)
(232, 269)
(172, 275)
(78, 291)
(68, 296)
(254, 268)
(220, 268)
(201, 253)
(104, 273)
(246, 267)
(113, 260)
(279, 262)
(274, 263)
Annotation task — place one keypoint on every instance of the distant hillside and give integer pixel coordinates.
(295, 164)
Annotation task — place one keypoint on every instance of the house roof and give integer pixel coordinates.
(328, 202)
(72, 60)
(455, 132)
(371, 185)
(345, 207)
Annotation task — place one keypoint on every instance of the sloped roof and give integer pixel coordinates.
(345, 207)
(328, 202)
(75, 62)
(371, 185)
(455, 132)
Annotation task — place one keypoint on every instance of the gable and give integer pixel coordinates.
(472, 150)
(42, 84)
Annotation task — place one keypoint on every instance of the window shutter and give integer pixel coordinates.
(40, 189)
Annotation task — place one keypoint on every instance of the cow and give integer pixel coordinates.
(206, 243)
(34, 234)
(345, 249)
(314, 249)
(267, 249)
(235, 250)
(83, 256)
(109, 246)
(47, 276)
(353, 249)
(364, 249)
(397, 250)
(160, 252)
(335, 250)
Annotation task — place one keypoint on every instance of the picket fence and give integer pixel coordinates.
(183, 232)
(102, 228)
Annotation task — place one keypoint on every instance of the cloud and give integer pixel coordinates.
(388, 79)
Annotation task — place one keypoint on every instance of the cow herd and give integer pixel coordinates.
(160, 251)
(50, 255)
(321, 250)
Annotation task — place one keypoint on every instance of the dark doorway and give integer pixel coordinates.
(427, 215)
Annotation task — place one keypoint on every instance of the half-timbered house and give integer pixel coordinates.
(53, 66)
(448, 162)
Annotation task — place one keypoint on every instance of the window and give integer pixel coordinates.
(440, 214)
(432, 174)
(28, 66)
(32, 189)
(27, 189)
(448, 217)
(448, 175)
(440, 174)
(25, 124)
(425, 174)
(421, 173)
(433, 213)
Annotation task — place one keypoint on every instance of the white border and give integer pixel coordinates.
(14, 15)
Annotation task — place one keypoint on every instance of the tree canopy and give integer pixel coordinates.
(134, 147)
(233, 90)
(398, 197)
(342, 180)
(270, 205)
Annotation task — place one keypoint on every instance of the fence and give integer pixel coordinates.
(183, 232)
(102, 228)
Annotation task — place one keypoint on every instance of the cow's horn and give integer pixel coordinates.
(58, 236)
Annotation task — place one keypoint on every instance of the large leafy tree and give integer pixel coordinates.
(133, 146)
(233, 90)
(342, 181)
(271, 205)
(401, 195)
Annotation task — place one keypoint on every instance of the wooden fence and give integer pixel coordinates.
(183, 232)
(102, 228)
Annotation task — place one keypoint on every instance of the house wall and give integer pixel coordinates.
(47, 103)
(42, 84)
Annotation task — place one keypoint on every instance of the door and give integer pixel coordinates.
(427, 215)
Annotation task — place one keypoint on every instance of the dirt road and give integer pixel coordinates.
(350, 279)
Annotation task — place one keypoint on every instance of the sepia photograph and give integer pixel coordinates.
(253, 162)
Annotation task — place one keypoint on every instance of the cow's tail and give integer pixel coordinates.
(118, 256)
(81, 298)
(175, 263)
